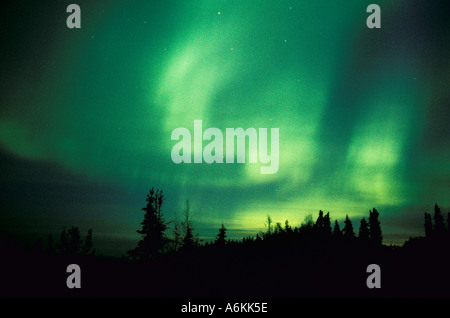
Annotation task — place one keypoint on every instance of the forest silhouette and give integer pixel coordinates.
(314, 259)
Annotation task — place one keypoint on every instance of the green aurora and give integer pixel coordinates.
(87, 114)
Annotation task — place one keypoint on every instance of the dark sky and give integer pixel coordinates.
(87, 114)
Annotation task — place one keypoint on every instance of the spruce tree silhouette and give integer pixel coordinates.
(337, 234)
(221, 236)
(347, 231)
(363, 231)
(428, 224)
(327, 225)
(88, 246)
(74, 242)
(376, 237)
(189, 240)
(320, 221)
(439, 227)
(154, 239)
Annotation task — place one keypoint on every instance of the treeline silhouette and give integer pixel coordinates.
(156, 242)
(314, 259)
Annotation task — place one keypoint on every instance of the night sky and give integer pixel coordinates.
(87, 114)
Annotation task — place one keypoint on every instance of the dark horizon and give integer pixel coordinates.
(313, 260)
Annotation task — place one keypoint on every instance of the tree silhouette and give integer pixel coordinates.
(319, 222)
(439, 227)
(278, 229)
(287, 227)
(337, 230)
(347, 231)
(153, 240)
(74, 241)
(428, 225)
(188, 228)
(364, 231)
(221, 236)
(88, 246)
(269, 225)
(376, 236)
(327, 225)
(323, 225)
(70, 242)
(308, 221)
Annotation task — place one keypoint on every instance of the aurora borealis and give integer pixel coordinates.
(87, 114)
